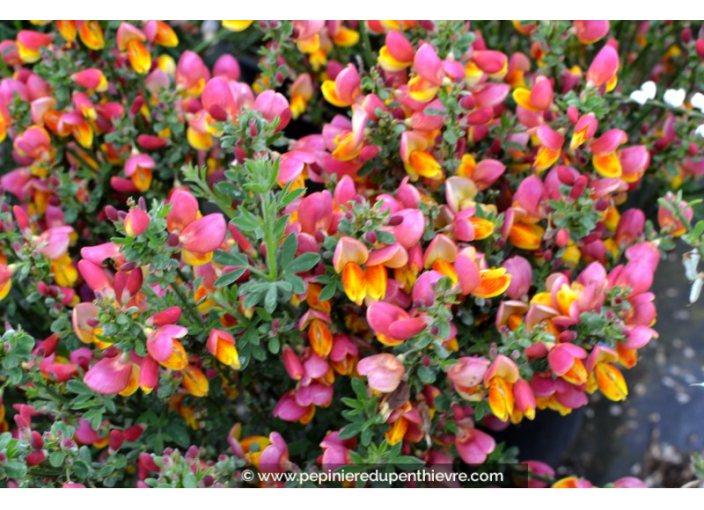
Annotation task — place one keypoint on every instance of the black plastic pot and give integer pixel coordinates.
(547, 438)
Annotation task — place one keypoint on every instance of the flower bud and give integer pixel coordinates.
(36, 440)
(136, 222)
(111, 213)
(172, 240)
(116, 440)
(36, 457)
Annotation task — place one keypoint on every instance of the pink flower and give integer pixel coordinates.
(521, 276)
(274, 458)
(392, 324)
(293, 365)
(272, 105)
(160, 343)
(384, 372)
(630, 482)
(604, 67)
(315, 212)
(408, 226)
(217, 99)
(204, 235)
(109, 376)
(91, 79)
(288, 409)
(539, 469)
(591, 31)
(136, 222)
(473, 445)
(468, 372)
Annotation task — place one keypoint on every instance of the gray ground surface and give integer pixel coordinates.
(653, 433)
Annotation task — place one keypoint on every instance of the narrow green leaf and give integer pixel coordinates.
(350, 430)
(327, 292)
(303, 263)
(289, 247)
(226, 258)
(230, 277)
(270, 299)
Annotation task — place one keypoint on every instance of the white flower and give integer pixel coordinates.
(691, 264)
(649, 88)
(646, 93)
(675, 97)
(639, 97)
(209, 28)
(699, 131)
(696, 290)
(697, 101)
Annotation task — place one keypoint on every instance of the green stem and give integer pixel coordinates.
(216, 38)
(269, 220)
(650, 107)
(223, 203)
(190, 308)
(256, 271)
(367, 45)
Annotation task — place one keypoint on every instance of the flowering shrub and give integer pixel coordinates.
(397, 239)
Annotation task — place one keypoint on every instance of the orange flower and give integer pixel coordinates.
(526, 236)
(222, 345)
(194, 381)
(604, 376)
(320, 338)
(494, 282)
(91, 35)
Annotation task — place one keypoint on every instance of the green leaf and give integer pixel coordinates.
(252, 299)
(366, 437)
(303, 263)
(291, 196)
(179, 434)
(245, 221)
(189, 481)
(327, 292)
(270, 299)
(408, 462)
(426, 375)
(230, 277)
(350, 430)
(385, 237)
(94, 416)
(350, 402)
(16, 470)
(360, 389)
(297, 284)
(56, 459)
(226, 258)
(289, 247)
(280, 226)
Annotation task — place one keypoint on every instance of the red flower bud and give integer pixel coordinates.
(686, 35)
(36, 440)
(111, 213)
(169, 316)
(116, 440)
(36, 457)
(133, 433)
(562, 238)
